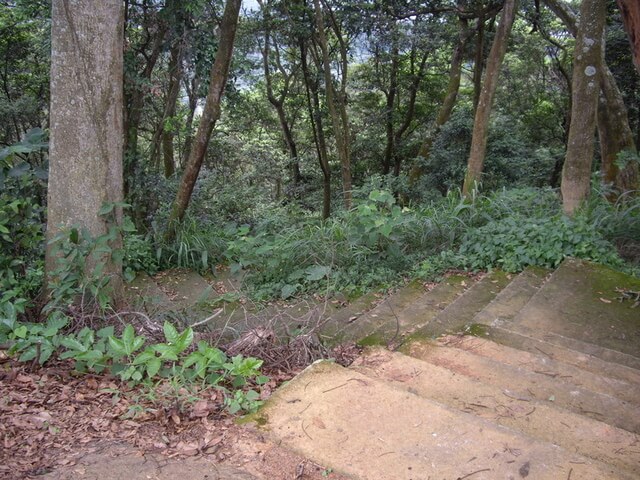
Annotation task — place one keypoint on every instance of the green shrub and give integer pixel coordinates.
(515, 242)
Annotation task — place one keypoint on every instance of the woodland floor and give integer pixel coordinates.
(61, 425)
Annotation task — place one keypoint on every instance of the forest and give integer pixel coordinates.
(315, 147)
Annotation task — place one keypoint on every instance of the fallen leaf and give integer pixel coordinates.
(318, 423)
(604, 300)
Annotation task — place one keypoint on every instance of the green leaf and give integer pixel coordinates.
(167, 352)
(117, 346)
(73, 344)
(184, 340)
(106, 209)
(153, 367)
(170, 332)
(21, 331)
(144, 357)
(288, 291)
(317, 272)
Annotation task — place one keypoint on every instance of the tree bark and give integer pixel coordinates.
(615, 137)
(175, 77)
(587, 69)
(85, 170)
(614, 130)
(210, 113)
(483, 112)
(630, 10)
(478, 64)
(337, 106)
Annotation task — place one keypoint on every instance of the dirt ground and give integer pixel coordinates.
(56, 424)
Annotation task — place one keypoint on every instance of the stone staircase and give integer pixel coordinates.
(535, 375)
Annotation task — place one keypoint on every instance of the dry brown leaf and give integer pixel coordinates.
(318, 423)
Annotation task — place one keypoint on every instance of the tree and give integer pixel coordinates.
(483, 111)
(449, 101)
(87, 133)
(336, 98)
(587, 69)
(630, 10)
(614, 130)
(210, 113)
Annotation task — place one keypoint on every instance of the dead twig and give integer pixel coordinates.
(473, 473)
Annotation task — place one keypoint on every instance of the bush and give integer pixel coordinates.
(516, 242)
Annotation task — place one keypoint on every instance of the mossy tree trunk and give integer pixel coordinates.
(614, 130)
(86, 145)
(587, 69)
(483, 111)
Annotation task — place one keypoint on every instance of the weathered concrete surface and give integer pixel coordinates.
(580, 302)
(397, 324)
(539, 386)
(461, 312)
(542, 364)
(514, 297)
(362, 427)
(510, 408)
(566, 355)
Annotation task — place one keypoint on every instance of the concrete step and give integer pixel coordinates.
(387, 313)
(541, 420)
(393, 325)
(508, 303)
(584, 361)
(538, 363)
(587, 348)
(461, 312)
(578, 307)
(532, 385)
(368, 429)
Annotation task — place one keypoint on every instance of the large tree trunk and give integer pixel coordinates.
(483, 111)
(337, 106)
(587, 68)
(615, 137)
(210, 113)
(630, 10)
(85, 170)
(614, 130)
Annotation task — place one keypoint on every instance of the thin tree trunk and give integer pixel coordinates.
(587, 68)
(444, 114)
(337, 107)
(478, 64)
(210, 113)
(193, 104)
(135, 98)
(389, 108)
(278, 102)
(410, 113)
(175, 77)
(315, 117)
(483, 112)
